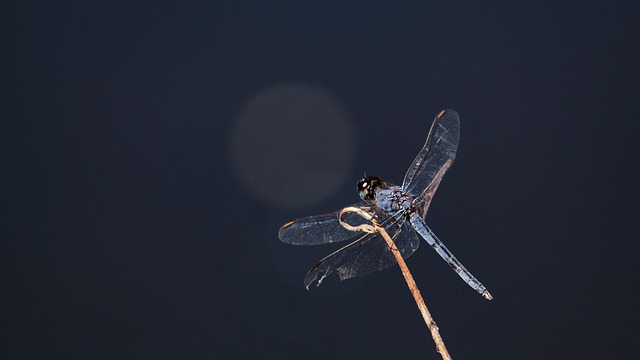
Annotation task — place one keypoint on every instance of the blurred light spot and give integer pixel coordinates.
(292, 145)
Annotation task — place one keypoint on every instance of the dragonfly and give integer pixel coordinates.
(399, 210)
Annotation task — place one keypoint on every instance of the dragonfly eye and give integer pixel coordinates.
(367, 186)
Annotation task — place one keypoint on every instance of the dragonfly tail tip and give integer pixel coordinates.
(487, 295)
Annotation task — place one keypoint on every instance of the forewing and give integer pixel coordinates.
(368, 254)
(321, 229)
(423, 200)
(440, 147)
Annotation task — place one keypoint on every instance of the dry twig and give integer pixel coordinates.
(375, 227)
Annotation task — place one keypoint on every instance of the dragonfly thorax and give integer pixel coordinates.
(391, 199)
(388, 197)
(367, 187)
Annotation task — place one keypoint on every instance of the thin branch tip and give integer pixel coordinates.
(375, 227)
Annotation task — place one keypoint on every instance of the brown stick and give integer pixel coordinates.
(431, 324)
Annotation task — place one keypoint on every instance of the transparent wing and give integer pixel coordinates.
(422, 201)
(440, 147)
(368, 254)
(321, 229)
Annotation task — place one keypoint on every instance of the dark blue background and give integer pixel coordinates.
(126, 234)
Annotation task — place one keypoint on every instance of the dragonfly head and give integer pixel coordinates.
(367, 187)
